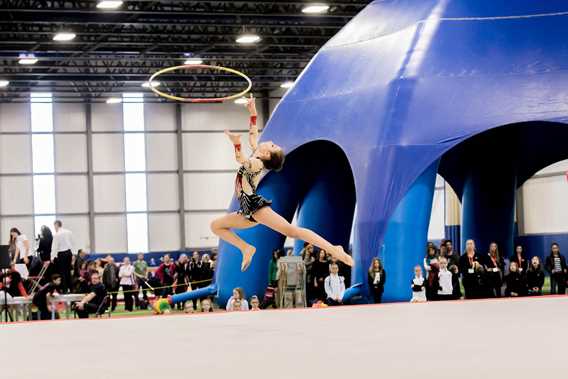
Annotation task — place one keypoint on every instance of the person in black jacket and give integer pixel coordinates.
(535, 277)
(110, 280)
(470, 272)
(320, 271)
(42, 297)
(181, 278)
(377, 278)
(494, 266)
(516, 285)
(556, 267)
(520, 258)
(44, 245)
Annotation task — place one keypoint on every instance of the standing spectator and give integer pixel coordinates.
(182, 278)
(456, 282)
(196, 275)
(111, 280)
(334, 286)
(418, 286)
(443, 249)
(452, 256)
(79, 260)
(62, 247)
(320, 270)
(83, 280)
(469, 270)
(42, 298)
(206, 270)
(94, 301)
(308, 259)
(254, 303)
(535, 277)
(515, 283)
(556, 267)
(44, 244)
(238, 295)
(494, 266)
(520, 259)
(126, 275)
(165, 274)
(431, 254)
(21, 247)
(141, 275)
(377, 278)
(273, 268)
(446, 287)
(99, 266)
(433, 281)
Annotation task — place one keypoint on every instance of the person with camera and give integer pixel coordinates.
(94, 301)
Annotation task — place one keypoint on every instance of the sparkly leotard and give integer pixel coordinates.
(246, 183)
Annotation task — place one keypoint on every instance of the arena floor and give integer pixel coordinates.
(521, 338)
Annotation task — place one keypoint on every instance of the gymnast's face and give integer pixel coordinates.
(267, 148)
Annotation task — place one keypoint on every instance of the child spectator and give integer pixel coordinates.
(94, 301)
(377, 278)
(206, 306)
(236, 306)
(556, 266)
(445, 289)
(514, 280)
(418, 286)
(254, 303)
(431, 254)
(42, 297)
(494, 266)
(334, 286)
(238, 294)
(535, 277)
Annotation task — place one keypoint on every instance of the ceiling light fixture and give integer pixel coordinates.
(248, 38)
(193, 61)
(288, 84)
(27, 59)
(114, 100)
(4, 83)
(153, 84)
(315, 8)
(109, 4)
(64, 36)
(241, 101)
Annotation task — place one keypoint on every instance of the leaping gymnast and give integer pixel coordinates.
(254, 209)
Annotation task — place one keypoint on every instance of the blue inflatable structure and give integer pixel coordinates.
(476, 91)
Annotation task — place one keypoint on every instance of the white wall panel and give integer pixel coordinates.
(163, 192)
(217, 116)
(197, 229)
(210, 151)
(545, 203)
(109, 193)
(15, 154)
(108, 152)
(161, 152)
(160, 116)
(110, 234)
(15, 118)
(436, 230)
(24, 224)
(79, 226)
(164, 232)
(16, 195)
(72, 194)
(208, 190)
(70, 153)
(106, 117)
(69, 117)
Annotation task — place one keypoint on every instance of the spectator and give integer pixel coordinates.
(452, 256)
(111, 280)
(206, 306)
(195, 276)
(206, 270)
(126, 275)
(273, 268)
(165, 275)
(308, 259)
(62, 247)
(99, 266)
(44, 244)
(182, 278)
(456, 282)
(494, 266)
(430, 255)
(515, 283)
(443, 250)
(14, 283)
(42, 298)
(254, 303)
(446, 287)
(21, 247)
(470, 277)
(238, 295)
(79, 260)
(433, 280)
(418, 286)
(141, 276)
(556, 267)
(535, 277)
(236, 306)
(94, 301)
(320, 270)
(377, 278)
(334, 286)
(83, 280)
(520, 259)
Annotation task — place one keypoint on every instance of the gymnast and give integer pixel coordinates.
(254, 209)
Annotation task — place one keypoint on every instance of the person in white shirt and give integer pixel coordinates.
(238, 294)
(126, 276)
(446, 290)
(334, 286)
(418, 286)
(22, 247)
(61, 253)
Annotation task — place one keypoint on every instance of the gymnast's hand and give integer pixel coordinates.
(234, 137)
(251, 106)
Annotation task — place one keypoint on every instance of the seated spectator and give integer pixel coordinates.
(14, 283)
(433, 280)
(95, 301)
(556, 267)
(494, 266)
(238, 294)
(111, 280)
(377, 278)
(446, 288)
(535, 277)
(43, 296)
(452, 256)
(254, 303)
(515, 282)
(236, 306)
(126, 275)
(82, 280)
(206, 306)
(431, 254)
(520, 259)
(418, 286)
(334, 286)
(467, 267)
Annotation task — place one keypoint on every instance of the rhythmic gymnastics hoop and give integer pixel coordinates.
(207, 100)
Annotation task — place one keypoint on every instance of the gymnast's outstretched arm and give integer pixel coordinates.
(253, 129)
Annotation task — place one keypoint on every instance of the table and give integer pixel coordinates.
(25, 304)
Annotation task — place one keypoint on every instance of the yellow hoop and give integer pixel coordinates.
(209, 100)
